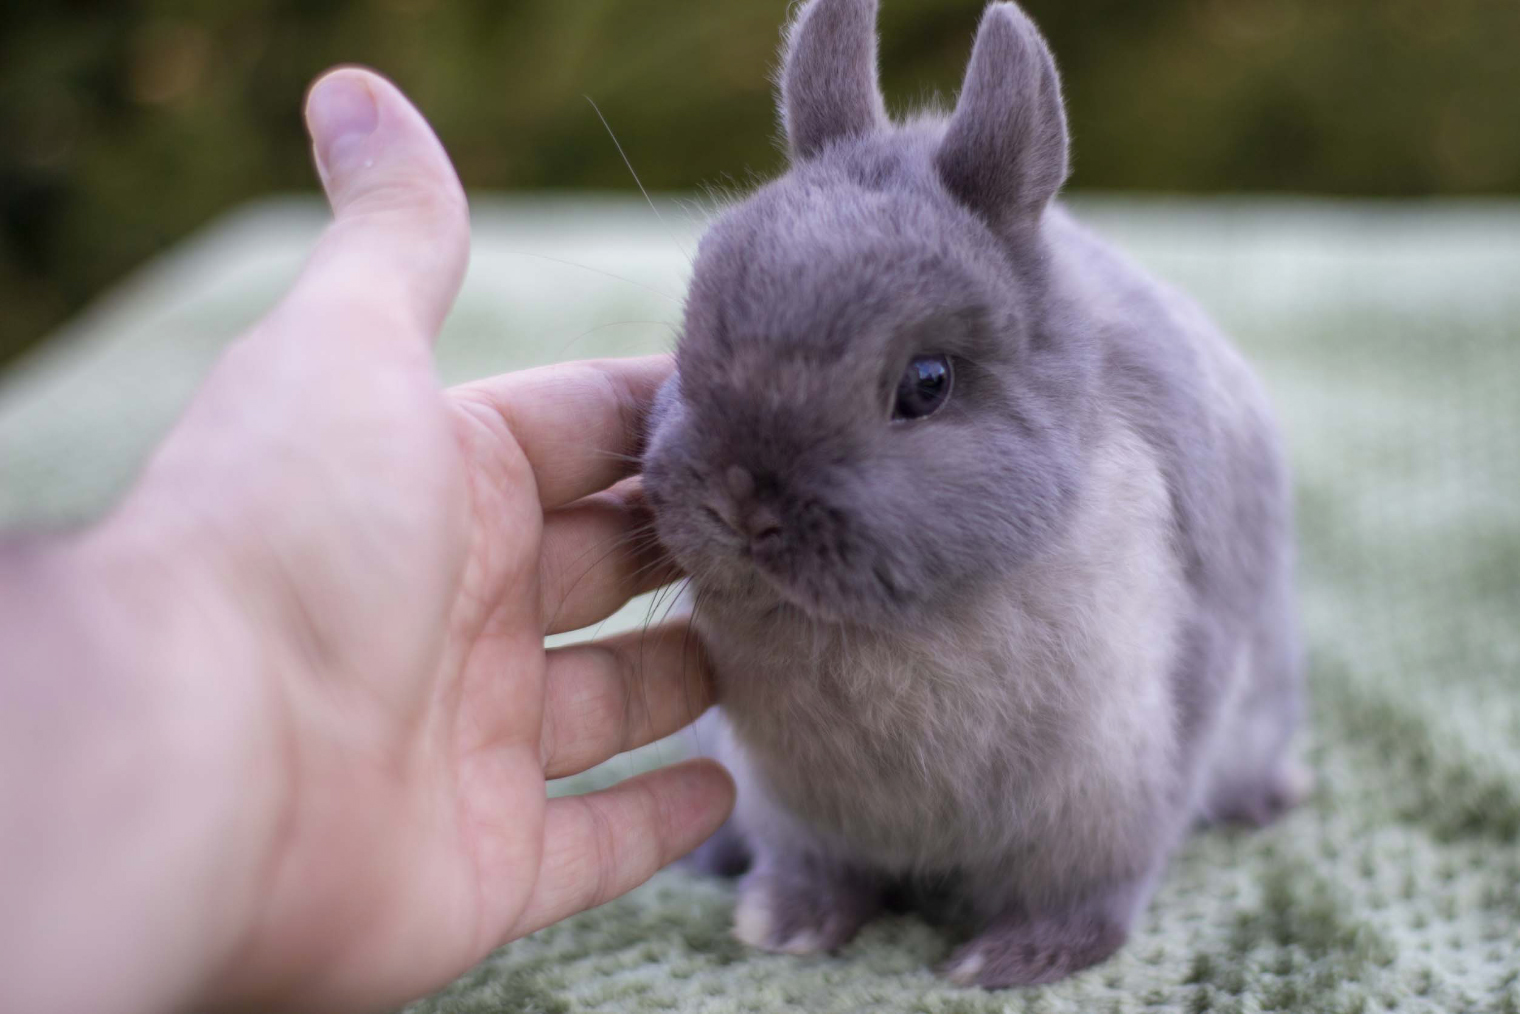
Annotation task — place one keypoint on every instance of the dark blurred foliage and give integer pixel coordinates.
(123, 125)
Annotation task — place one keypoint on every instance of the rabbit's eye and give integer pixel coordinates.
(924, 387)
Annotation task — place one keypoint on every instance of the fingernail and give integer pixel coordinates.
(341, 113)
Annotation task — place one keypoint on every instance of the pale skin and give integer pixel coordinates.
(276, 733)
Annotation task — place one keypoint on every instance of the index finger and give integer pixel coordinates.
(580, 425)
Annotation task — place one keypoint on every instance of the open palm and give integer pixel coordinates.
(400, 553)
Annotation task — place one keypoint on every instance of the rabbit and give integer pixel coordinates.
(989, 533)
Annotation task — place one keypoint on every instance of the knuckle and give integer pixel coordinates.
(413, 195)
(617, 693)
(495, 418)
(548, 741)
(659, 818)
(602, 884)
(626, 411)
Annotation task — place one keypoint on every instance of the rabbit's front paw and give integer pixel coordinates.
(801, 911)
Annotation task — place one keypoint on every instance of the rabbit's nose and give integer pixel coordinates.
(755, 520)
(741, 484)
(762, 525)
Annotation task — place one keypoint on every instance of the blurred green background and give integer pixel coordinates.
(125, 125)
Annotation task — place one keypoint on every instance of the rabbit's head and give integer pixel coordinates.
(878, 396)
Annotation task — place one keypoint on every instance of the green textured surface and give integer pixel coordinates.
(1390, 338)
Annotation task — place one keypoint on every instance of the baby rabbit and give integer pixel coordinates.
(989, 532)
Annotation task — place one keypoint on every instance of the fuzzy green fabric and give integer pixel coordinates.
(1390, 338)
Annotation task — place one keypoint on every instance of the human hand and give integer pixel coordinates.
(346, 575)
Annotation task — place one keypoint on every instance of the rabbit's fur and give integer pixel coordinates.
(1003, 656)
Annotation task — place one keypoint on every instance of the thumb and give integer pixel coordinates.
(399, 241)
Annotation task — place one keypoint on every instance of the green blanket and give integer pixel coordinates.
(1390, 338)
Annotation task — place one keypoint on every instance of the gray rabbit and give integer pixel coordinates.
(989, 532)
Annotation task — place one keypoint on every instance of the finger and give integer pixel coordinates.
(610, 696)
(399, 241)
(581, 425)
(597, 554)
(603, 845)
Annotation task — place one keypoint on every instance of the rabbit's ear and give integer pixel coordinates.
(828, 81)
(1005, 154)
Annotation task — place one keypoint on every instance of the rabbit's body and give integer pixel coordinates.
(1010, 650)
(1032, 716)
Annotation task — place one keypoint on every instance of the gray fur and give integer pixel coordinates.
(1005, 152)
(1006, 654)
(828, 76)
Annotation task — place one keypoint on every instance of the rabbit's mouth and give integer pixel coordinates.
(793, 589)
(771, 588)
(769, 605)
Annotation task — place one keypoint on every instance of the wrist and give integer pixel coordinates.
(138, 804)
